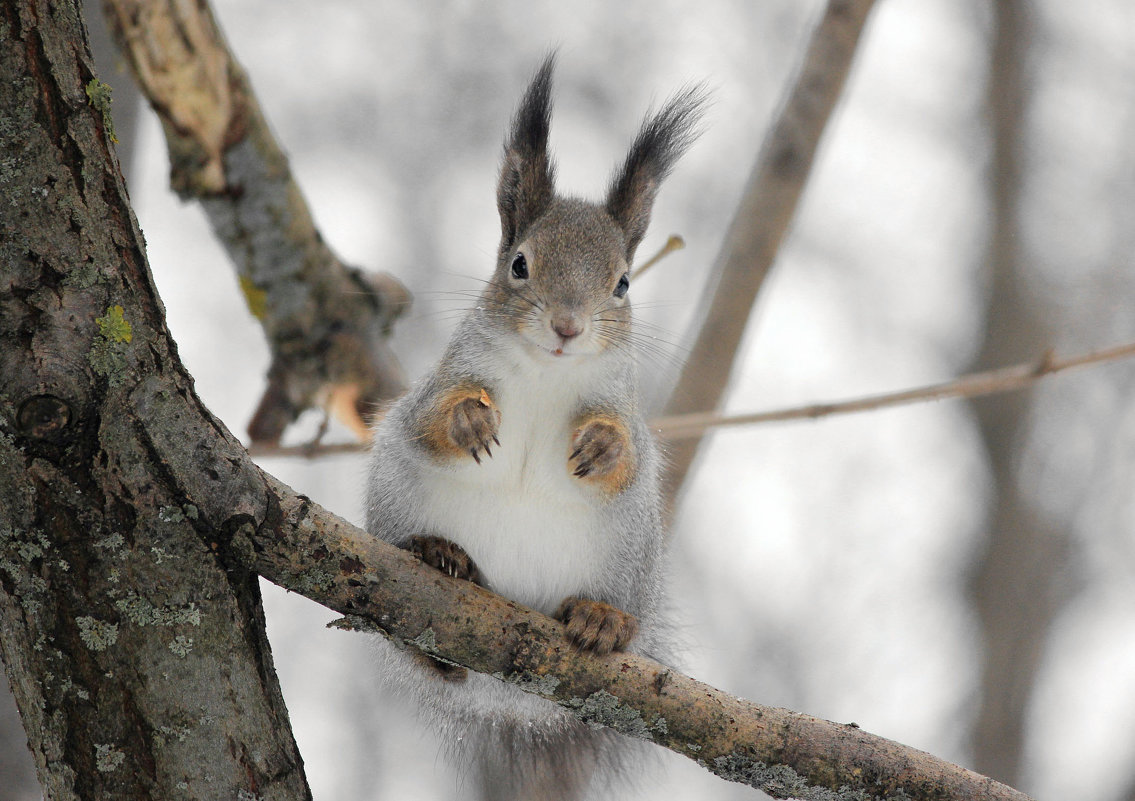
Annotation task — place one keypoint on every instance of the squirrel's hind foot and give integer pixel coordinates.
(596, 626)
(446, 556)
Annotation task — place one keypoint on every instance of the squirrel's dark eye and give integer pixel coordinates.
(623, 285)
(519, 266)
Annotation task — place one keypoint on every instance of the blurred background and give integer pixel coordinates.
(959, 577)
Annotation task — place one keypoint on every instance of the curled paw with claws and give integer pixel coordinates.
(596, 626)
(473, 423)
(602, 452)
(448, 557)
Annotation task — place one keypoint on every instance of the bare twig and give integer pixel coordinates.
(674, 243)
(678, 427)
(762, 219)
(320, 315)
(1005, 379)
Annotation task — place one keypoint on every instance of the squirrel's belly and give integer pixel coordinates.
(533, 531)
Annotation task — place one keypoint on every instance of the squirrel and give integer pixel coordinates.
(523, 462)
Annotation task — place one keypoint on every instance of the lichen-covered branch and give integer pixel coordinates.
(762, 220)
(786, 754)
(326, 321)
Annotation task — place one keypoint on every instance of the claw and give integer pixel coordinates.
(476, 458)
(489, 452)
(576, 452)
(497, 441)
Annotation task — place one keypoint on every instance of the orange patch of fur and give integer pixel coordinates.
(434, 433)
(619, 478)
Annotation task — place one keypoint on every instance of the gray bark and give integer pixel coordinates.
(136, 654)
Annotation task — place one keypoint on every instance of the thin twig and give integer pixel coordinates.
(676, 427)
(675, 242)
(1005, 379)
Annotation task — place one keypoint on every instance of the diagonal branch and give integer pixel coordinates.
(786, 754)
(323, 318)
(762, 220)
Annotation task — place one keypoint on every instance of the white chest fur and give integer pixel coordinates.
(533, 528)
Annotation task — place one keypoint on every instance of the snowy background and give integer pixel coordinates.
(820, 566)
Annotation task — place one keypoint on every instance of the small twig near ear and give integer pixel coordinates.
(674, 243)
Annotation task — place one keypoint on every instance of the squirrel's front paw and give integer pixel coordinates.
(448, 557)
(473, 424)
(595, 625)
(602, 452)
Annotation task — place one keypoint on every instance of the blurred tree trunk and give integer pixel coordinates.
(1019, 581)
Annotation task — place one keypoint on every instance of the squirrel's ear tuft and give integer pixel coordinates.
(526, 185)
(663, 139)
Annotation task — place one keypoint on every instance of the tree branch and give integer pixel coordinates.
(762, 220)
(322, 317)
(308, 550)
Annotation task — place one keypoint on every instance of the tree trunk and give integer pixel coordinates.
(136, 653)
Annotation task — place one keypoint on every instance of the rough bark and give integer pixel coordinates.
(136, 656)
(786, 754)
(1020, 581)
(761, 222)
(327, 323)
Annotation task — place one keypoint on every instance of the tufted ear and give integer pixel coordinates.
(527, 177)
(663, 139)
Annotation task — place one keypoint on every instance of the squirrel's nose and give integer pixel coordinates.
(566, 327)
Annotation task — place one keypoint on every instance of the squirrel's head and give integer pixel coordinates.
(563, 267)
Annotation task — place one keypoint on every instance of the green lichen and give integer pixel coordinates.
(111, 542)
(98, 93)
(312, 580)
(143, 613)
(426, 641)
(781, 781)
(354, 623)
(532, 682)
(254, 296)
(107, 355)
(181, 646)
(114, 327)
(601, 708)
(84, 276)
(171, 514)
(98, 635)
(167, 734)
(108, 758)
